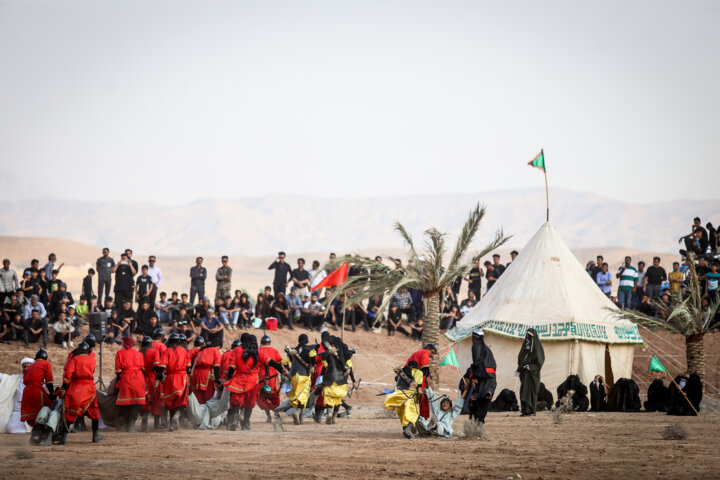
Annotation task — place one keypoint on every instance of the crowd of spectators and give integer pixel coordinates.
(37, 306)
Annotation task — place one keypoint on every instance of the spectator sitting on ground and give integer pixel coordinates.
(63, 329)
(212, 328)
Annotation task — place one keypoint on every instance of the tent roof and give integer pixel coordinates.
(546, 288)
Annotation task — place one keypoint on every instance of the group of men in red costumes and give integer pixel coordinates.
(159, 377)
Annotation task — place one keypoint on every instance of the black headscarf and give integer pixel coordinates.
(531, 352)
(250, 349)
(482, 356)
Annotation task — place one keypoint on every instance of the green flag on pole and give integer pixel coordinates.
(656, 366)
(450, 360)
(538, 161)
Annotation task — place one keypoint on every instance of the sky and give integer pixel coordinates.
(171, 102)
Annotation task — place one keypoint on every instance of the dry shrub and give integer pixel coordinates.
(23, 454)
(566, 406)
(473, 430)
(674, 432)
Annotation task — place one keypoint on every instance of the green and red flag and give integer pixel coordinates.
(539, 161)
(656, 366)
(450, 361)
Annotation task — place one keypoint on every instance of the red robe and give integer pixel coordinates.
(154, 402)
(225, 363)
(243, 385)
(175, 361)
(130, 363)
(34, 396)
(160, 347)
(81, 398)
(320, 402)
(268, 400)
(192, 353)
(202, 386)
(422, 357)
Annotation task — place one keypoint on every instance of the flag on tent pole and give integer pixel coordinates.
(539, 161)
(450, 361)
(336, 277)
(656, 366)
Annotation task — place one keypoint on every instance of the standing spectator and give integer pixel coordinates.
(156, 275)
(499, 267)
(702, 270)
(301, 277)
(198, 274)
(163, 309)
(712, 278)
(474, 279)
(87, 289)
(144, 287)
(50, 265)
(654, 277)
(223, 277)
(403, 301)
(604, 279)
(513, 255)
(491, 275)
(639, 291)
(129, 254)
(282, 271)
(8, 281)
(712, 238)
(105, 266)
(312, 273)
(676, 278)
(124, 273)
(597, 267)
(628, 284)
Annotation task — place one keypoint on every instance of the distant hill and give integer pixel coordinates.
(262, 226)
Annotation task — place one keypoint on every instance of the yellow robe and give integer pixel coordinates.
(405, 402)
(334, 393)
(300, 390)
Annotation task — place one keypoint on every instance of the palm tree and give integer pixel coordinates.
(686, 316)
(424, 271)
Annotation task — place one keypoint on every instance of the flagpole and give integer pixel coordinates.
(547, 192)
(686, 397)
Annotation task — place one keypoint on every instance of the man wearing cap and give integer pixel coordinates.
(422, 358)
(8, 281)
(269, 396)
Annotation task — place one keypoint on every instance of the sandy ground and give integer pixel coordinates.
(370, 445)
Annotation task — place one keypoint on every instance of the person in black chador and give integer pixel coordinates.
(598, 394)
(657, 396)
(690, 387)
(624, 396)
(575, 388)
(545, 399)
(481, 374)
(530, 361)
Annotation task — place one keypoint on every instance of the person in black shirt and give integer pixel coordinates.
(144, 286)
(513, 256)
(60, 300)
(134, 264)
(712, 237)
(499, 267)
(124, 273)
(696, 241)
(702, 269)
(474, 279)
(87, 289)
(395, 322)
(143, 323)
(126, 316)
(301, 277)
(492, 275)
(281, 311)
(654, 277)
(269, 296)
(282, 271)
(597, 268)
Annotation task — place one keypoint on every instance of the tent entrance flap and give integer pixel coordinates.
(609, 377)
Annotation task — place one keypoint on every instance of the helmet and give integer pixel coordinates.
(173, 339)
(146, 341)
(41, 355)
(236, 343)
(90, 340)
(83, 348)
(265, 339)
(182, 337)
(158, 332)
(199, 341)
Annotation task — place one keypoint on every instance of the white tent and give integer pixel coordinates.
(546, 288)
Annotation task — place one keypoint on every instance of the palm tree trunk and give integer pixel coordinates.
(695, 355)
(431, 331)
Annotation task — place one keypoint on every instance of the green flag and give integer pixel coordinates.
(450, 360)
(538, 161)
(656, 366)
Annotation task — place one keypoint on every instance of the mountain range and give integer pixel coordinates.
(262, 226)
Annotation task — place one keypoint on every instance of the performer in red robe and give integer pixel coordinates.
(157, 344)
(37, 377)
(174, 366)
(79, 391)
(153, 401)
(422, 357)
(225, 357)
(269, 381)
(243, 382)
(129, 367)
(207, 361)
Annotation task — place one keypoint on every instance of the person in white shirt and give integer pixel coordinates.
(156, 274)
(63, 331)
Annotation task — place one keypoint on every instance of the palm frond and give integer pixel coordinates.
(407, 238)
(467, 234)
(652, 323)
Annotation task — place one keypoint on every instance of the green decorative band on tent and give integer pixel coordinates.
(558, 331)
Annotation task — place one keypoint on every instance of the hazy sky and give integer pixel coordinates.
(169, 102)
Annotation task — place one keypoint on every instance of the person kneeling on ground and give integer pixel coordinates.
(443, 415)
